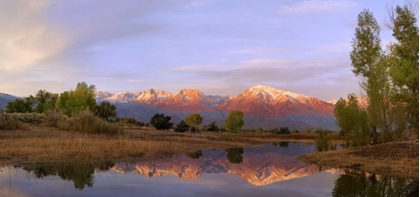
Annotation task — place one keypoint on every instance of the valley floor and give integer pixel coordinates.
(398, 159)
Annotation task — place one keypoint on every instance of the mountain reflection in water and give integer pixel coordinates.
(258, 166)
(268, 170)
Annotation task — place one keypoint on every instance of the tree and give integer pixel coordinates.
(195, 155)
(365, 57)
(78, 100)
(352, 120)
(234, 121)
(45, 101)
(161, 122)
(181, 127)
(194, 120)
(404, 69)
(20, 105)
(106, 110)
(211, 127)
(234, 155)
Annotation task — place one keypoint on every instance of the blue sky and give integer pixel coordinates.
(220, 47)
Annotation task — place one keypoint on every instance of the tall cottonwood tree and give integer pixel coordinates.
(366, 61)
(404, 69)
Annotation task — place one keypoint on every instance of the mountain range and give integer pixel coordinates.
(5, 98)
(263, 107)
(259, 166)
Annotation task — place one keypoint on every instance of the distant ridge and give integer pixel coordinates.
(263, 106)
(5, 98)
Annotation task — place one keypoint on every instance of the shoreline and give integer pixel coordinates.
(397, 159)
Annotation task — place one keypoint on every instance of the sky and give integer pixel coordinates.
(219, 47)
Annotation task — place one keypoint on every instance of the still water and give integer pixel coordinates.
(268, 170)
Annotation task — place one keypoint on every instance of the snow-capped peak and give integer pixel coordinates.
(334, 101)
(272, 92)
(122, 97)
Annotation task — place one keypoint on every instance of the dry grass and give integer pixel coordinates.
(47, 144)
(399, 159)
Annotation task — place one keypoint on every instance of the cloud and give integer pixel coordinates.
(261, 50)
(317, 6)
(26, 37)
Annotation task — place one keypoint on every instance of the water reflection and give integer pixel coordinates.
(362, 184)
(229, 172)
(234, 155)
(80, 174)
(262, 165)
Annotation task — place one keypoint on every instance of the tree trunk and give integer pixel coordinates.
(375, 137)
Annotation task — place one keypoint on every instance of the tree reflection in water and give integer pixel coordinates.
(195, 155)
(234, 155)
(80, 173)
(361, 184)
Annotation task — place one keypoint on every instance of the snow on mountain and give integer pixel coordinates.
(101, 95)
(267, 101)
(259, 166)
(188, 99)
(152, 96)
(123, 97)
(219, 99)
(334, 101)
(263, 106)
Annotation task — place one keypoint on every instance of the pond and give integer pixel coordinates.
(267, 170)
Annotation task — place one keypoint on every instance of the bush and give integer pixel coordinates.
(161, 122)
(87, 122)
(181, 127)
(54, 118)
(322, 141)
(32, 118)
(131, 121)
(281, 130)
(10, 122)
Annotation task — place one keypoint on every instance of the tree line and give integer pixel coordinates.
(82, 98)
(389, 80)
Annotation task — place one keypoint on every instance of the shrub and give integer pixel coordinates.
(10, 122)
(181, 127)
(54, 118)
(322, 141)
(87, 122)
(281, 130)
(161, 122)
(32, 118)
(131, 121)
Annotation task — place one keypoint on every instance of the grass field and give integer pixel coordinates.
(47, 144)
(398, 159)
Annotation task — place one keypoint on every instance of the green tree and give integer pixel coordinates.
(352, 120)
(182, 127)
(365, 57)
(20, 105)
(45, 101)
(106, 110)
(404, 69)
(212, 127)
(194, 120)
(234, 155)
(78, 100)
(161, 122)
(234, 121)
